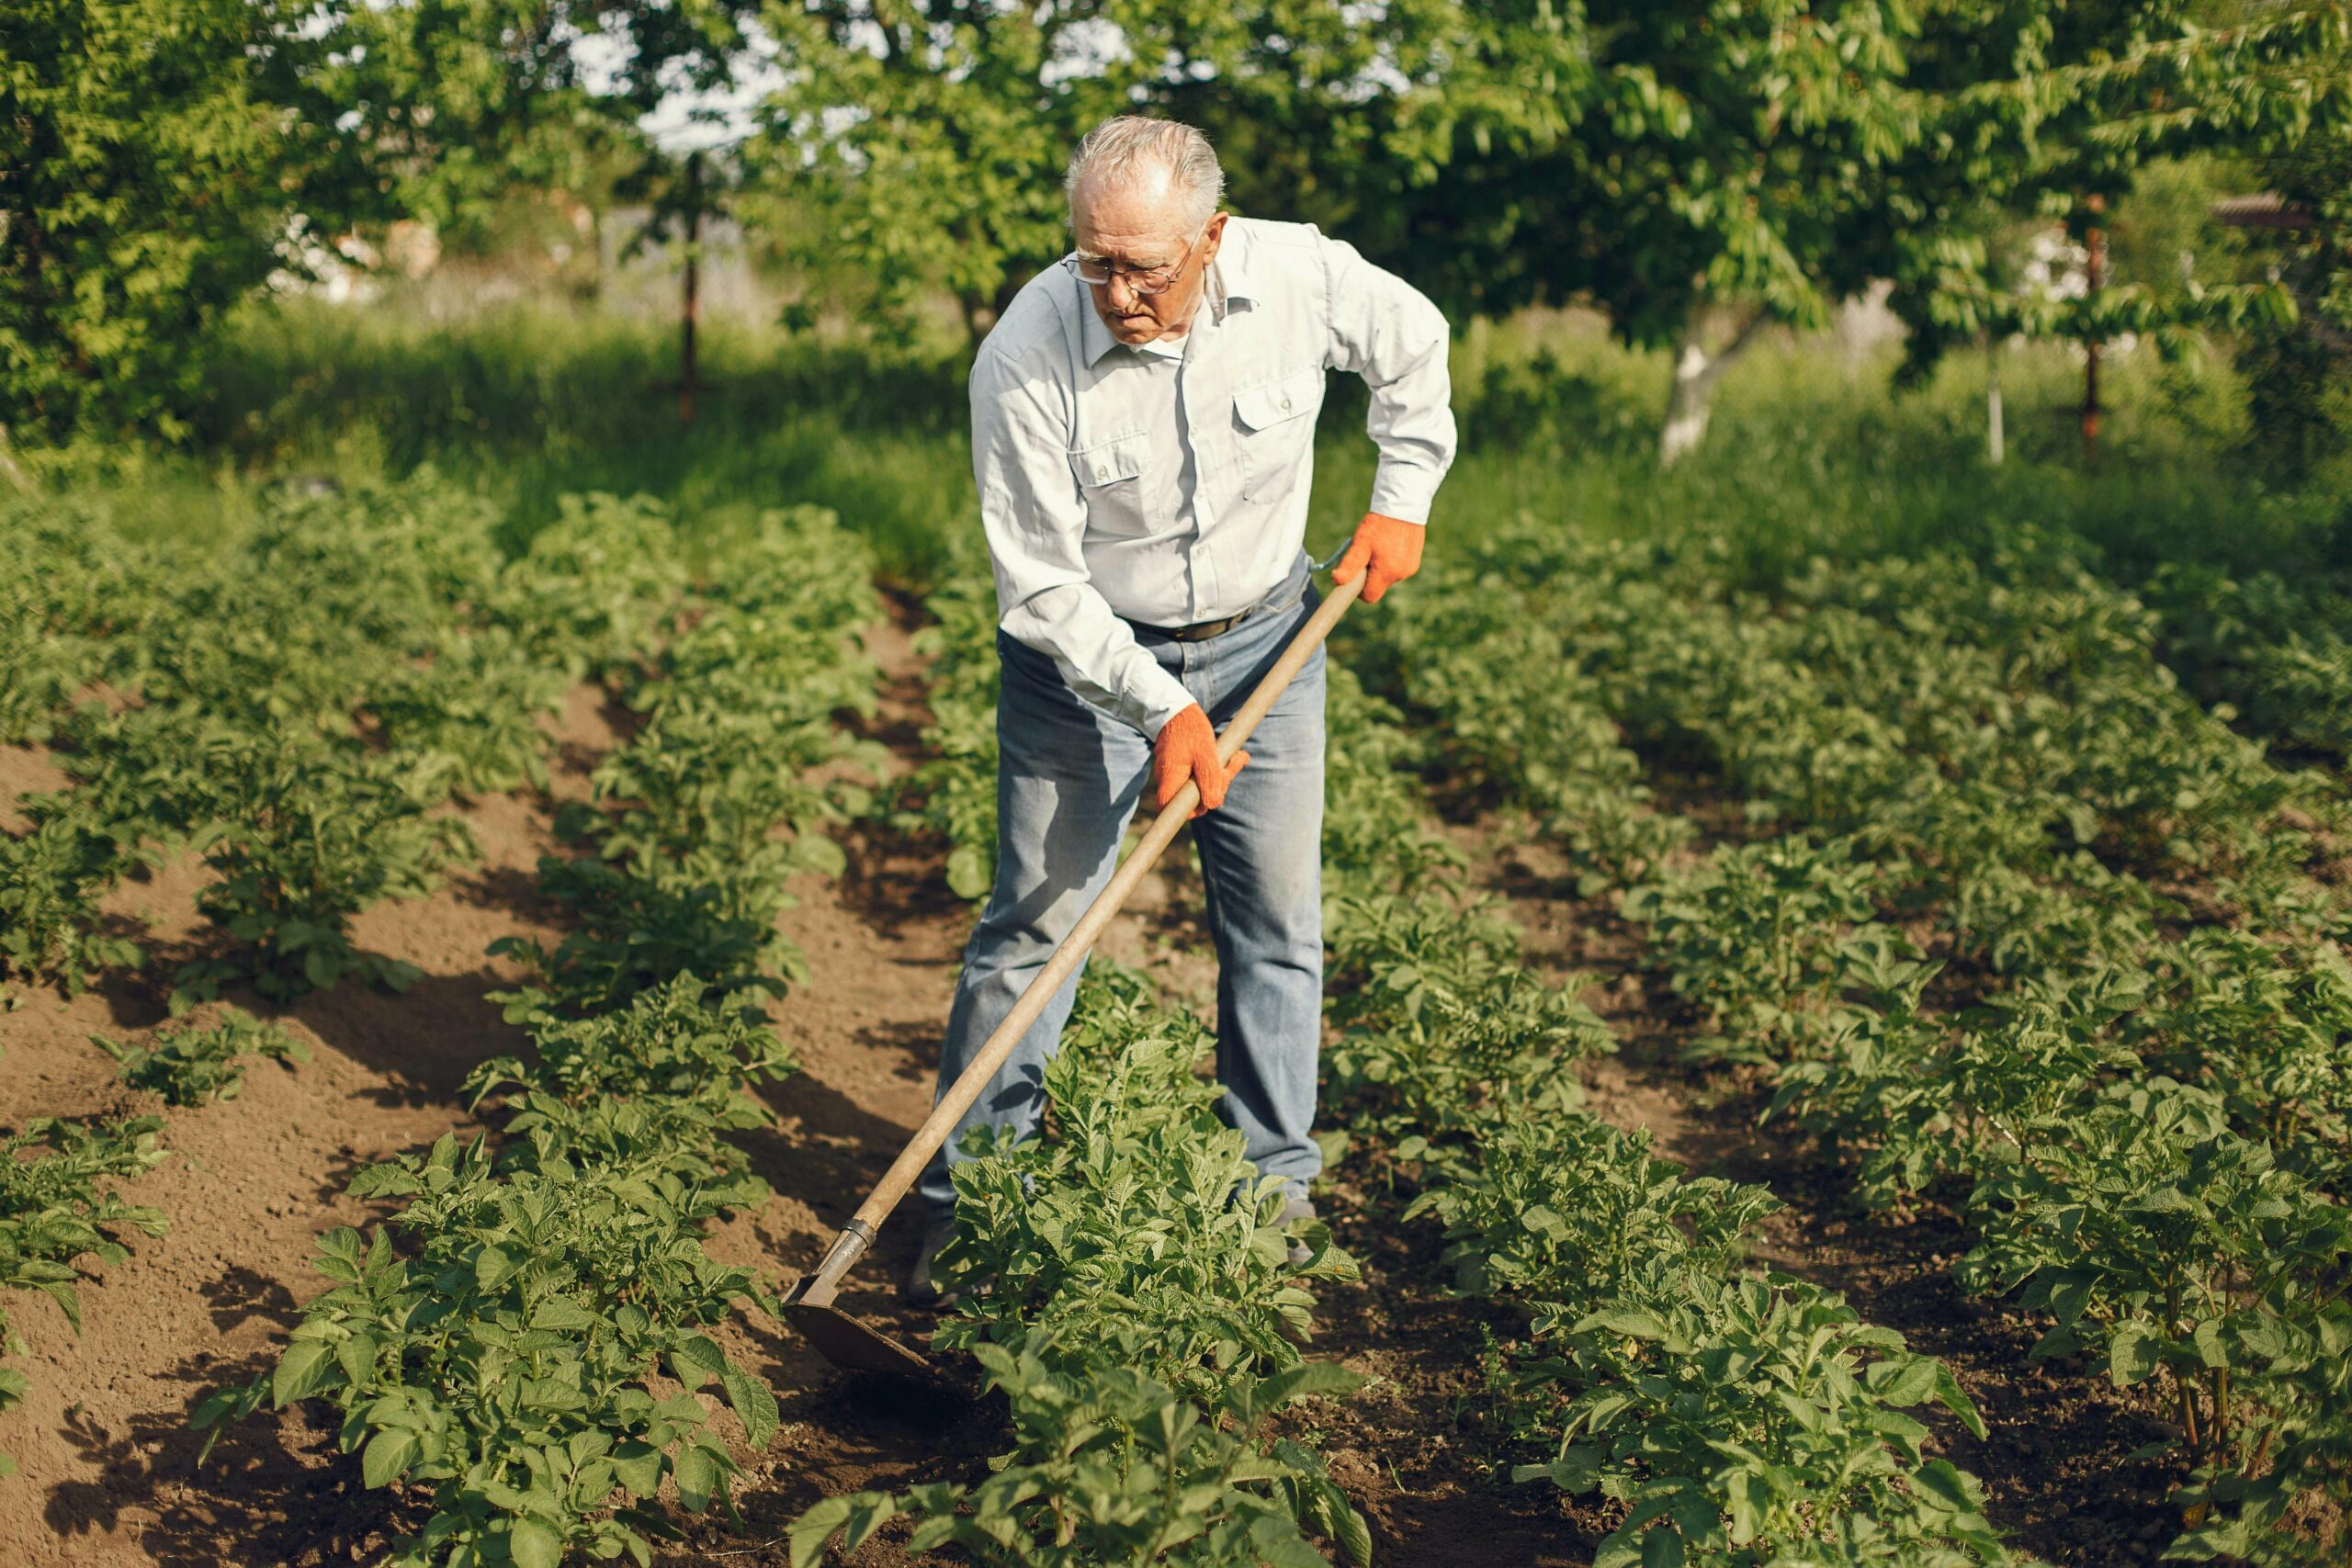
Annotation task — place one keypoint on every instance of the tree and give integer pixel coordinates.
(448, 105)
(2301, 374)
(144, 160)
(156, 155)
(1705, 162)
(922, 142)
(2121, 86)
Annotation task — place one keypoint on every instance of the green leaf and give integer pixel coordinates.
(823, 1520)
(534, 1545)
(2132, 1355)
(1662, 1548)
(494, 1265)
(388, 1455)
(1634, 1323)
(697, 1475)
(1313, 1380)
(559, 1316)
(302, 1371)
(1949, 1485)
(1903, 1381)
(639, 1465)
(695, 1360)
(753, 1403)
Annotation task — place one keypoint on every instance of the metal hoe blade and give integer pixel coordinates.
(851, 1346)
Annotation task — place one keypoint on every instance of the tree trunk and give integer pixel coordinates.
(1696, 371)
(2095, 279)
(690, 306)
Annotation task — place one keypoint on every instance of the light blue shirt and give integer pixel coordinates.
(1168, 485)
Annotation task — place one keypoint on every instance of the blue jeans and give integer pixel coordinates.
(1069, 779)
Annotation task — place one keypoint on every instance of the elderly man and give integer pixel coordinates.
(1143, 429)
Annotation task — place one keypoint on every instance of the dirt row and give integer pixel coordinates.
(109, 1464)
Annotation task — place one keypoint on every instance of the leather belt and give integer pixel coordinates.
(1199, 631)
(1284, 595)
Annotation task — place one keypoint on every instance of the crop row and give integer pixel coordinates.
(59, 1209)
(1737, 1418)
(523, 1344)
(294, 708)
(2038, 926)
(1462, 1062)
(1122, 1280)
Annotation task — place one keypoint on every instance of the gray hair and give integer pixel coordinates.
(1118, 151)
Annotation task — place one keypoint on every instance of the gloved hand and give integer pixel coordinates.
(1388, 547)
(1185, 748)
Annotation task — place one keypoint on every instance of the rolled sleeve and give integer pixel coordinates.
(1034, 518)
(1390, 333)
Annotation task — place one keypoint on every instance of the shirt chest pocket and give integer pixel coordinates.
(1114, 477)
(1274, 423)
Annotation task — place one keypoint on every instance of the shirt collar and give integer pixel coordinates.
(1231, 280)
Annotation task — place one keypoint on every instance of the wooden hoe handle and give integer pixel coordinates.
(819, 1288)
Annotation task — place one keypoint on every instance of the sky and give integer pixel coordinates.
(690, 121)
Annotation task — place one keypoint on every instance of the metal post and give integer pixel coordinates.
(694, 290)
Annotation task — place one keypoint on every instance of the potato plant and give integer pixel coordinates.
(702, 816)
(953, 793)
(1135, 1219)
(301, 705)
(200, 1067)
(502, 1363)
(57, 1207)
(1113, 1470)
(498, 1346)
(2127, 1073)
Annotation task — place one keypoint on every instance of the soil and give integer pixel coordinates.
(108, 1464)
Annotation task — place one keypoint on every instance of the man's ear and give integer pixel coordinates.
(1216, 236)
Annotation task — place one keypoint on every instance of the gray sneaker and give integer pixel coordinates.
(1295, 1209)
(921, 1289)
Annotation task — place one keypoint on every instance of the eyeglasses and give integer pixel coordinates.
(1145, 280)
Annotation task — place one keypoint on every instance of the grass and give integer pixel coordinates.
(1811, 452)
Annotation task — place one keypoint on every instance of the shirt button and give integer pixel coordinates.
(1286, 405)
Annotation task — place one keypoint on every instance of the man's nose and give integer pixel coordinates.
(1118, 285)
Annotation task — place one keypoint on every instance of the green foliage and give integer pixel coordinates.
(1754, 937)
(699, 819)
(2270, 649)
(200, 1067)
(148, 154)
(504, 1356)
(288, 709)
(1441, 1025)
(58, 1207)
(1731, 1414)
(308, 833)
(1137, 1220)
(1983, 761)
(2169, 1247)
(1117, 1469)
(953, 791)
(503, 1363)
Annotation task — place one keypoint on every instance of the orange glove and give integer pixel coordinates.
(1186, 749)
(1389, 547)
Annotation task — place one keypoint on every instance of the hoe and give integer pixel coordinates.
(857, 1347)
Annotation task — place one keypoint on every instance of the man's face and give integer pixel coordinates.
(1136, 228)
